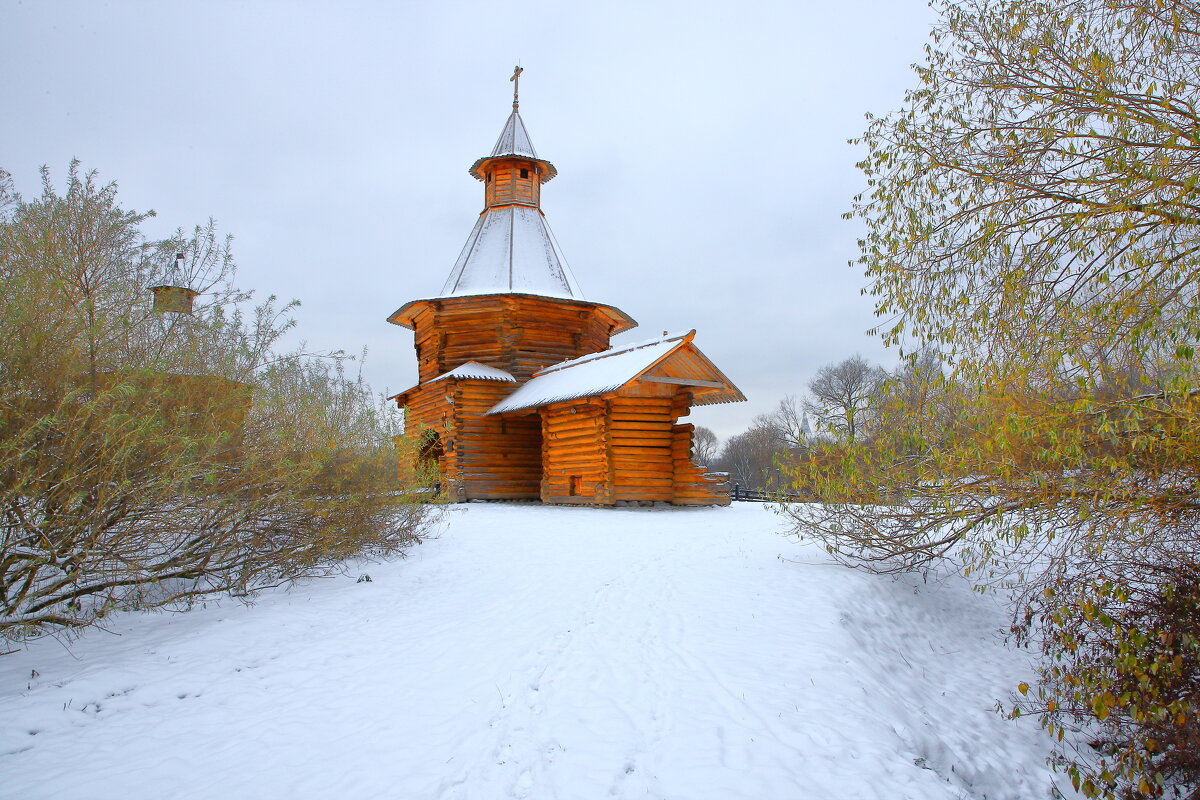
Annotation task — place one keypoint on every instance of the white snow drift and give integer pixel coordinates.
(538, 652)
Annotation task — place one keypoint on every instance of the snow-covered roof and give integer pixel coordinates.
(475, 370)
(511, 250)
(591, 375)
(472, 370)
(514, 139)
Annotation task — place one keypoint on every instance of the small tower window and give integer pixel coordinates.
(524, 173)
(489, 177)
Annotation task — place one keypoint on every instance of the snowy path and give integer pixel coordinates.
(533, 652)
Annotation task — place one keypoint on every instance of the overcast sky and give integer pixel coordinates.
(701, 149)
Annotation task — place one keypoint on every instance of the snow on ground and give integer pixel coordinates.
(538, 652)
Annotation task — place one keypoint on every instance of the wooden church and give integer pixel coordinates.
(521, 396)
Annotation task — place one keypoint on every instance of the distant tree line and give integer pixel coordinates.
(149, 458)
(843, 403)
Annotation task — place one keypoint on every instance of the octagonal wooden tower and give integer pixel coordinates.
(510, 311)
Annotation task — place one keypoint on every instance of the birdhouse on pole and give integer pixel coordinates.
(174, 299)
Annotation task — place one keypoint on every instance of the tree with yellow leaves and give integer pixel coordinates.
(1033, 215)
(146, 458)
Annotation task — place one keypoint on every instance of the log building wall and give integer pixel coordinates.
(518, 334)
(513, 181)
(576, 461)
(641, 443)
(623, 448)
(479, 457)
(619, 448)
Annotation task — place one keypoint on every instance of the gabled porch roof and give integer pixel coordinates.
(670, 359)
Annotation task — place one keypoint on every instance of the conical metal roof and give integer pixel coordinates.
(514, 142)
(511, 250)
(514, 139)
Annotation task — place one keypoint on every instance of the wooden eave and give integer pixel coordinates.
(545, 170)
(618, 319)
(620, 322)
(687, 366)
(401, 397)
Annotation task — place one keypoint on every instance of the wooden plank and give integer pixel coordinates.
(645, 496)
(682, 381)
(644, 471)
(646, 420)
(591, 466)
(641, 405)
(659, 457)
(650, 429)
(593, 462)
(574, 466)
(621, 403)
(641, 439)
(641, 450)
(643, 419)
(624, 479)
(588, 427)
(509, 473)
(570, 444)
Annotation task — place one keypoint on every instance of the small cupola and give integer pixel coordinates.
(513, 173)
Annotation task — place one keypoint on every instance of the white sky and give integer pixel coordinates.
(701, 149)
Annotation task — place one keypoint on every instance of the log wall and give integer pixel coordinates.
(595, 451)
(518, 334)
(428, 409)
(504, 183)
(497, 458)
(576, 462)
(643, 468)
(693, 485)
(482, 457)
(624, 448)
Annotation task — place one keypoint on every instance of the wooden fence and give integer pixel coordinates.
(743, 495)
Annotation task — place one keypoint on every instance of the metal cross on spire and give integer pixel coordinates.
(516, 79)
